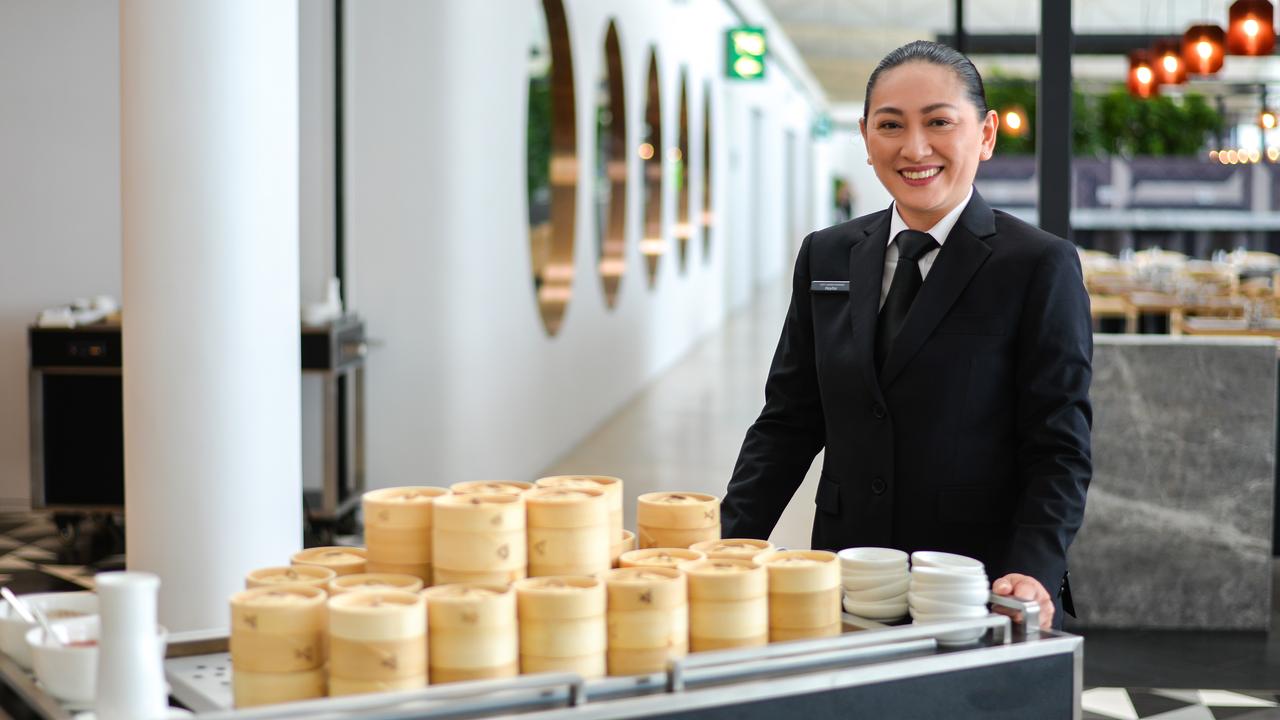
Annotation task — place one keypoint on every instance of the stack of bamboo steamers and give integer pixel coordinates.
(492, 579)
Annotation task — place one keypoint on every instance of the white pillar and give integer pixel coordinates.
(209, 158)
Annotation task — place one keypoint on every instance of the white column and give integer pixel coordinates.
(209, 158)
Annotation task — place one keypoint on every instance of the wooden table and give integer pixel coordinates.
(1229, 326)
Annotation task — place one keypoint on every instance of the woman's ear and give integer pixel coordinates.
(862, 128)
(990, 124)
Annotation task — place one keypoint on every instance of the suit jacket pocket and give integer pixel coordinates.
(972, 505)
(970, 325)
(828, 497)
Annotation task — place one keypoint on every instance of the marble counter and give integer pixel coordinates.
(1178, 526)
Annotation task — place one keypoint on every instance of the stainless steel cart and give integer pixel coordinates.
(871, 671)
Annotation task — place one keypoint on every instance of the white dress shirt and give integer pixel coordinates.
(939, 233)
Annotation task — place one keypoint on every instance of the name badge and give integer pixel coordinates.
(829, 286)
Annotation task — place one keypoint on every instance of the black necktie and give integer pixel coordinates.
(912, 245)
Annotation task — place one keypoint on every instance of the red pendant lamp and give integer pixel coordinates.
(1203, 47)
(1169, 65)
(1142, 77)
(1251, 28)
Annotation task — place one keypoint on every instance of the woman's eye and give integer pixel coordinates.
(940, 122)
(889, 125)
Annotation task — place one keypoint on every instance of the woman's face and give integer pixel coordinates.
(924, 138)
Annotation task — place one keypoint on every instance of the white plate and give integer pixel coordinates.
(952, 595)
(879, 593)
(946, 576)
(872, 559)
(933, 558)
(959, 637)
(924, 605)
(876, 611)
(864, 582)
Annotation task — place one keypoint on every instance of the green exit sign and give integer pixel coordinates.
(744, 53)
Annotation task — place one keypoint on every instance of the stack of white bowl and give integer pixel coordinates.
(875, 582)
(946, 586)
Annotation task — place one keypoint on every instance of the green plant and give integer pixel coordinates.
(1113, 123)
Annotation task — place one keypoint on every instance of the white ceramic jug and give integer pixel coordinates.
(130, 671)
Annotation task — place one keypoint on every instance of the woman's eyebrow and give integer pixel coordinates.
(923, 111)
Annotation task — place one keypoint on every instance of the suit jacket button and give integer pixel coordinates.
(878, 486)
(877, 411)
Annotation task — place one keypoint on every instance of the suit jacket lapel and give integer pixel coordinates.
(961, 256)
(866, 270)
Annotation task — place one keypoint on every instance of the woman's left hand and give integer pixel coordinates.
(1024, 587)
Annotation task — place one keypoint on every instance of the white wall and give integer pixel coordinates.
(466, 383)
(59, 186)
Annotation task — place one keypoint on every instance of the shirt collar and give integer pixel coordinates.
(939, 231)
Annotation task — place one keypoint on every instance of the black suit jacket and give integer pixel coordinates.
(975, 437)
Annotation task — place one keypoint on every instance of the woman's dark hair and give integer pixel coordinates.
(938, 54)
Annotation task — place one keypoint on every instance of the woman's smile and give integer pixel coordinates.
(920, 176)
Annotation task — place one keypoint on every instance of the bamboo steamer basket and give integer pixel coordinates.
(397, 529)
(251, 689)
(568, 531)
(400, 507)
(338, 558)
(474, 632)
(611, 486)
(342, 686)
(312, 575)
(734, 548)
(677, 519)
(648, 619)
(785, 634)
(374, 581)
(588, 666)
(801, 571)
(422, 571)
(491, 487)
(626, 544)
(378, 636)
(278, 629)
(666, 557)
(728, 604)
(562, 625)
(804, 593)
(479, 538)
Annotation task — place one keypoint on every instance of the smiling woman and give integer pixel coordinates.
(956, 414)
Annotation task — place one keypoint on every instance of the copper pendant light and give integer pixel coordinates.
(1167, 61)
(1251, 28)
(1203, 47)
(1142, 77)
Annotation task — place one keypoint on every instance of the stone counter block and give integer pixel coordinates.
(1178, 527)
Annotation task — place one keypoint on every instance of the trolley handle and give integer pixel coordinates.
(462, 695)
(1030, 610)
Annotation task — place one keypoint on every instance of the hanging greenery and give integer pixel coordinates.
(1115, 123)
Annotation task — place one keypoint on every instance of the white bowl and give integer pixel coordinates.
(867, 582)
(933, 558)
(13, 629)
(69, 672)
(946, 576)
(878, 593)
(957, 614)
(959, 637)
(876, 610)
(872, 559)
(926, 604)
(953, 595)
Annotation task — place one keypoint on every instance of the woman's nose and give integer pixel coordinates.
(915, 146)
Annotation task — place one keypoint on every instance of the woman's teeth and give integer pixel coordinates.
(921, 175)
